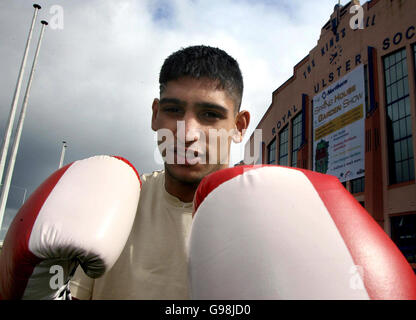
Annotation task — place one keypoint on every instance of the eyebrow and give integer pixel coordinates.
(172, 101)
(212, 106)
(209, 105)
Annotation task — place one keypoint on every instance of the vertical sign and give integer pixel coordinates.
(338, 122)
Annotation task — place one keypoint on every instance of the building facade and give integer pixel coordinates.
(350, 110)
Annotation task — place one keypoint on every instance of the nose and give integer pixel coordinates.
(189, 130)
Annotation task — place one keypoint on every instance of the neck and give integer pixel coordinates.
(181, 190)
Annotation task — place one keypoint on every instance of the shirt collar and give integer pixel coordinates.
(174, 200)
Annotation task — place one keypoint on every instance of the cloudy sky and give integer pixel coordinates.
(97, 72)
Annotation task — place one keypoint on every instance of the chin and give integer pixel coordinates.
(189, 174)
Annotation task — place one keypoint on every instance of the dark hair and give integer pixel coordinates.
(204, 62)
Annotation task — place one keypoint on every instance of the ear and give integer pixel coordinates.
(155, 110)
(242, 121)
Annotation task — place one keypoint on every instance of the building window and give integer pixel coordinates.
(271, 152)
(414, 51)
(404, 236)
(357, 185)
(367, 102)
(296, 138)
(399, 124)
(283, 146)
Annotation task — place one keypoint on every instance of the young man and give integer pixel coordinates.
(197, 117)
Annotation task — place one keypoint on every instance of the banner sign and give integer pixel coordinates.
(338, 127)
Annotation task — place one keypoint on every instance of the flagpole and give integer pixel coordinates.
(62, 154)
(10, 168)
(12, 114)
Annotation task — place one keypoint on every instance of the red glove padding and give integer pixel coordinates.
(270, 232)
(82, 214)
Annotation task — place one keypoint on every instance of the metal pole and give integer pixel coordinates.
(24, 194)
(10, 168)
(24, 197)
(62, 154)
(12, 114)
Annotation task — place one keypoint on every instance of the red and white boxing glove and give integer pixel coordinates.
(82, 214)
(270, 232)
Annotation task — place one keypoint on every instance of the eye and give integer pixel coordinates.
(211, 115)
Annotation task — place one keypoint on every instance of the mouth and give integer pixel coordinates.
(187, 156)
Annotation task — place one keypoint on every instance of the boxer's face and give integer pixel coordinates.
(202, 119)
